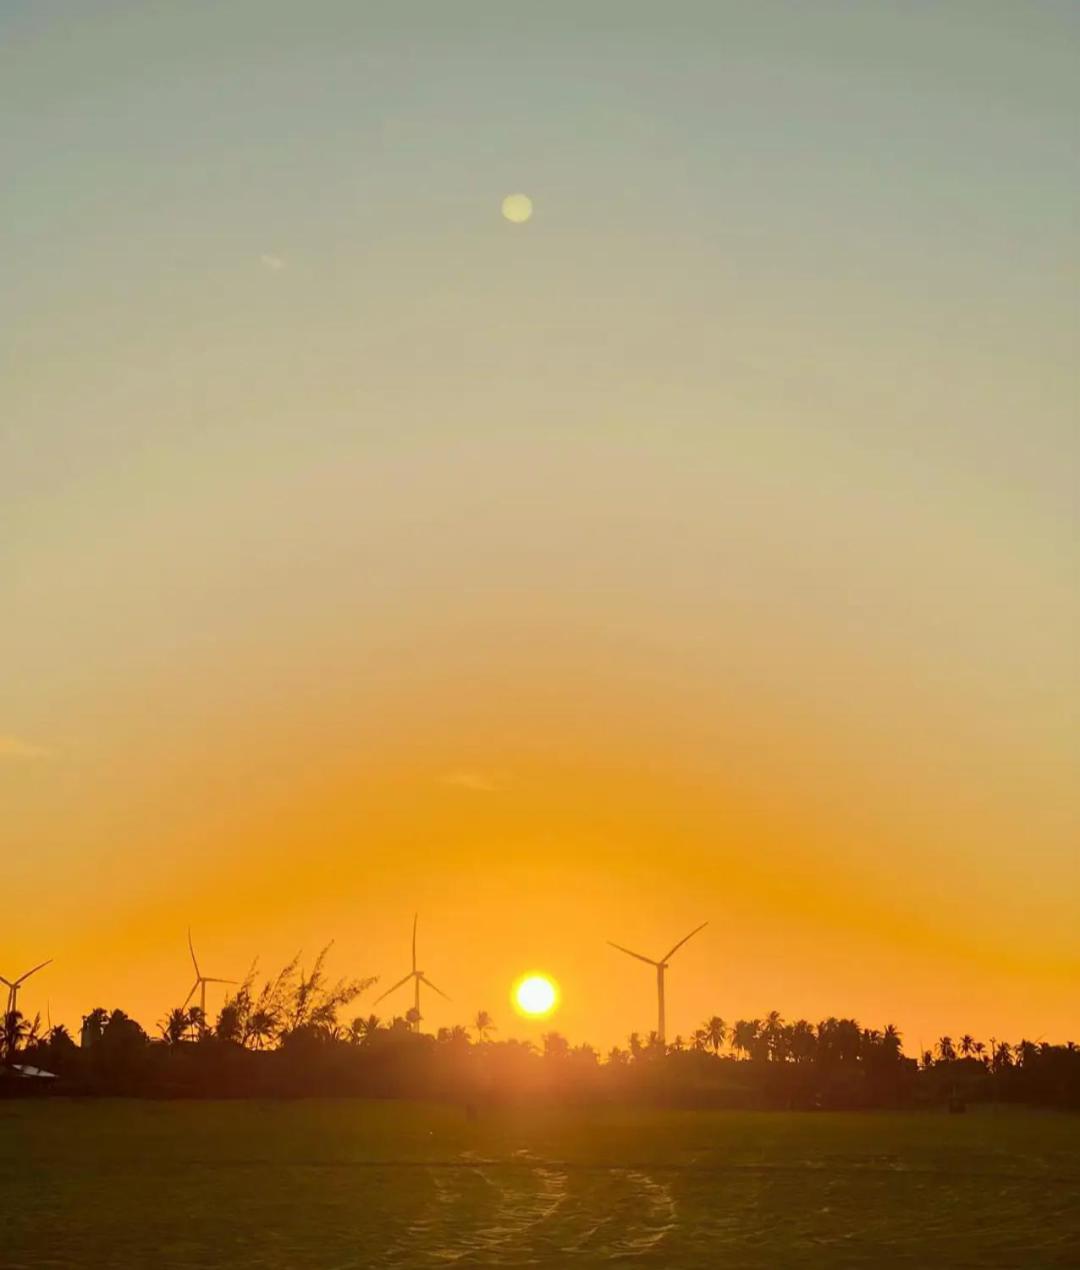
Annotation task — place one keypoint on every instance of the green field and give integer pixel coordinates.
(354, 1184)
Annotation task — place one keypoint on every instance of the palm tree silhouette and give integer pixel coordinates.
(967, 1045)
(744, 1035)
(261, 1028)
(772, 1033)
(175, 1026)
(362, 1031)
(16, 1031)
(483, 1024)
(93, 1024)
(716, 1032)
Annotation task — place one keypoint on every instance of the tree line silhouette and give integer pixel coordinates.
(291, 1036)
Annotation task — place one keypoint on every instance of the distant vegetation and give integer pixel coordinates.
(292, 1035)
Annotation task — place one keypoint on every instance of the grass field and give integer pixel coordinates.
(357, 1184)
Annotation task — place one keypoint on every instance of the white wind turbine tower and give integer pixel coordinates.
(418, 977)
(13, 986)
(201, 980)
(661, 966)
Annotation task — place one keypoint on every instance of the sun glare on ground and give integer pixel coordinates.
(535, 995)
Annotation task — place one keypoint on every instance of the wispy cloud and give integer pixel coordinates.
(478, 782)
(274, 263)
(15, 747)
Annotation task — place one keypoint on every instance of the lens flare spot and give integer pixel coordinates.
(517, 208)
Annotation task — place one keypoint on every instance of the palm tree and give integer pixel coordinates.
(744, 1035)
(771, 1034)
(716, 1031)
(262, 1027)
(229, 1025)
(980, 1050)
(677, 1045)
(93, 1024)
(483, 1024)
(16, 1031)
(802, 1042)
(700, 1040)
(848, 1036)
(362, 1031)
(617, 1057)
(635, 1046)
(967, 1045)
(892, 1040)
(556, 1046)
(946, 1049)
(175, 1026)
(1025, 1052)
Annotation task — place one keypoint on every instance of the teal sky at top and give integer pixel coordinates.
(834, 241)
(904, 177)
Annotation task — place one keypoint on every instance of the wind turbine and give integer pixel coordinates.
(418, 977)
(13, 986)
(661, 966)
(201, 980)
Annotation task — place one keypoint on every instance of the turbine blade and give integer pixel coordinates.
(416, 918)
(668, 956)
(208, 979)
(190, 995)
(425, 979)
(400, 984)
(191, 949)
(31, 972)
(5, 982)
(630, 953)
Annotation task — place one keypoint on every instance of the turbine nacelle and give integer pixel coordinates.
(201, 980)
(417, 977)
(660, 967)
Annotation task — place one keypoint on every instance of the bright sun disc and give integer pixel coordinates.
(517, 208)
(535, 995)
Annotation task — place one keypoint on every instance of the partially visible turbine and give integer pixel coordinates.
(661, 966)
(201, 980)
(418, 977)
(13, 986)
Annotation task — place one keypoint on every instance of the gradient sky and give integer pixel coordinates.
(705, 548)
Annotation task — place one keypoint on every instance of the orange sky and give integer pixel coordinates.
(704, 549)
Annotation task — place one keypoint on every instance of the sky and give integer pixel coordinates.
(704, 549)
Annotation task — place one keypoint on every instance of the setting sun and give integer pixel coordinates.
(535, 995)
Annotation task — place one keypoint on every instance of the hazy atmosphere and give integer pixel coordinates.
(701, 548)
